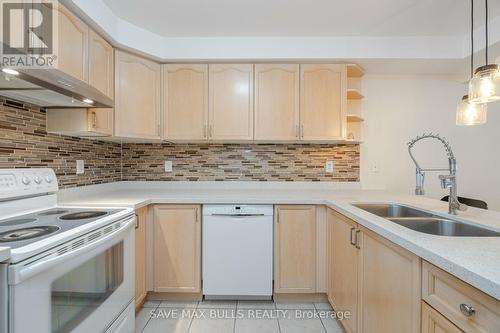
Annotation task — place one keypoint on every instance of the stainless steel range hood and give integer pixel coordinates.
(51, 88)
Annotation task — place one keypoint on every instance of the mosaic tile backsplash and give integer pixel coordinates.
(24, 142)
(259, 162)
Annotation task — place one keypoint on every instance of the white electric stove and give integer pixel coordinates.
(71, 268)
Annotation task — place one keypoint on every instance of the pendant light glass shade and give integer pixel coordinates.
(469, 114)
(484, 87)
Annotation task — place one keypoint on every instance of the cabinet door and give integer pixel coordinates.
(72, 49)
(177, 248)
(137, 97)
(140, 256)
(277, 102)
(231, 102)
(100, 121)
(323, 102)
(185, 89)
(295, 249)
(389, 283)
(101, 64)
(343, 271)
(434, 322)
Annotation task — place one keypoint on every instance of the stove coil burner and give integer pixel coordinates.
(17, 222)
(54, 212)
(82, 215)
(26, 233)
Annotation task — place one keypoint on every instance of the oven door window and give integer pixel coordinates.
(75, 295)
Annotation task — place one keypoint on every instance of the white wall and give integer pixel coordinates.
(397, 108)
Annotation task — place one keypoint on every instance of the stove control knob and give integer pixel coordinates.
(48, 179)
(25, 180)
(37, 180)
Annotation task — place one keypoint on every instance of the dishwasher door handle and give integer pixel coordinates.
(237, 215)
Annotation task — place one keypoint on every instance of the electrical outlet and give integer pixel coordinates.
(168, 166)
(80, 167)
(329, 166)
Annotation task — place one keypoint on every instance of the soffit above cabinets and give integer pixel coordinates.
(420, 36)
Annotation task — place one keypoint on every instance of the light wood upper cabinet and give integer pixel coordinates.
(434, 322)
(101, 64)
(389, 284)
(100, 120)
(137, 97)
(343, 268)
(72, 49)
(231, 102)
(185, 102)
(177, 248)
(277, 102)
(295, 249)
(323, 101)
(80, 122)
(140, 256)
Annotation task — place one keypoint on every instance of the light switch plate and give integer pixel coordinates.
(329, 167)
(168, 166)
(80, 167)
(375, 168)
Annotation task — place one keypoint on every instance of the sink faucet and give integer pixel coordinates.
(447, 181)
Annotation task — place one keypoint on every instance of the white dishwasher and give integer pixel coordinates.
(237, 256)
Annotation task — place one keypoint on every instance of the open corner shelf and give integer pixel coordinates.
(354, 70)
(354, 94)
(354, 118)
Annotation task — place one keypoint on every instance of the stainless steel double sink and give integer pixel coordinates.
(425, 222)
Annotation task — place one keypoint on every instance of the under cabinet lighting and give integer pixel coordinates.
(10, 71)
(88, 101)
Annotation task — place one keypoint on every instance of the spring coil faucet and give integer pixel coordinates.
(447, 181)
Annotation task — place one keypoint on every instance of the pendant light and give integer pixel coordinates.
(469, 114)
(484, 87)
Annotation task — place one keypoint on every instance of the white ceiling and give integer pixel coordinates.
(307, 18)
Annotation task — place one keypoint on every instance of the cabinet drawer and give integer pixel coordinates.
(434, 322)
(447, 294)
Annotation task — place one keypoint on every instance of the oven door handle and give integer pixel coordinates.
(21, 272)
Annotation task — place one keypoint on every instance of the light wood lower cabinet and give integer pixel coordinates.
(295, 249)
(140, 256)
(465, 306)
(177, 248)
(389, 284)
(434, 322)
(343, 268)
(373, 279)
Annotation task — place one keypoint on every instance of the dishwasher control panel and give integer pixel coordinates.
(265, 210)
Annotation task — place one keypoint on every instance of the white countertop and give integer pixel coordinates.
(4, 253)
(472, 259)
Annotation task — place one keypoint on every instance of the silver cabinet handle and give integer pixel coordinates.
(94, 119)
(210, 131)
(356, 239)
(467, 310)
(205, 131)
(297, 131)
(302, 131)
(352, 236)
